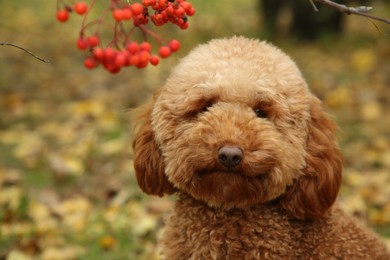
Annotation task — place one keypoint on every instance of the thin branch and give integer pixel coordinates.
(359, 10)
(314, 5)
(23, 49)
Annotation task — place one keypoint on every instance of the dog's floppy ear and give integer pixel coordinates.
(148, 162)
(315, 192)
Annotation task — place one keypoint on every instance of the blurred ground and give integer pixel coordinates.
(67, 189)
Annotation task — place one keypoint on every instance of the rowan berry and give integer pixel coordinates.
(93, 41)
(146, 3)
(190, 12)
(164, 51)
(140, 19)
(137, 9)
(145, 46)
(120, 59)
(134, 60)
(98, 53)
(118, 15)
(132, 47)
(144, 56)
(156, 6)
(142, 64)
(154, 60)
(170, 11)
(162, 3)
(186, 6)
(82, 44)
(62, 15)
(90, 63)
(158, 19)
(80, 8)
(184, 26)
(127, 14)
(174, 45)
(109, 54)
(114, 69)
(180, 12)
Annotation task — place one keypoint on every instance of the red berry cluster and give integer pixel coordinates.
(166, 11)
(123, 50)
(138, 55)
(63, 13)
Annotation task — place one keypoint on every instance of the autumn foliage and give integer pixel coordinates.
(67, 184)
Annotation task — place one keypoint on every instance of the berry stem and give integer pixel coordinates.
(155, 36)
(127, 35)
(86, 15)
(117, 34)
(59, 4)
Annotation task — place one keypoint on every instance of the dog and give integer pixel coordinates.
(236, 133)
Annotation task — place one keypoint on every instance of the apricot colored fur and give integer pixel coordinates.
(277, 203)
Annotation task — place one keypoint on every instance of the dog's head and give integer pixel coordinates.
(234, 126)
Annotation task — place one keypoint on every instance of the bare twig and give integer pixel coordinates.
(23, 49)
(314, 5)
(359, 10)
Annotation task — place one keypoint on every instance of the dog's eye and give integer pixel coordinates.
(261, 113)
(206, 105)
(199, 107)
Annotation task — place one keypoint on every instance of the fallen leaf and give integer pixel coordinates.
(371, 111)
(107, 242)
(363, 60)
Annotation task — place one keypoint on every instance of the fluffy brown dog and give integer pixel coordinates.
(237, 134)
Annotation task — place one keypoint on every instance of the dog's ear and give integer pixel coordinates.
(316, 190)
(148, 162)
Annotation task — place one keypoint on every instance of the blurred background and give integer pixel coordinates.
(67, 186)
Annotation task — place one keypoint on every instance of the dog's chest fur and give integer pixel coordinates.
(196, 231)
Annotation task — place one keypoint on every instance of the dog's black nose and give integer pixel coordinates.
(230, 156)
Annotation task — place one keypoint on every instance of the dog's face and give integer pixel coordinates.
(234, 127)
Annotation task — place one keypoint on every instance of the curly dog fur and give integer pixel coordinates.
(238, 135)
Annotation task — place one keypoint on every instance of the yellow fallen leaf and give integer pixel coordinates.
(354, 205)
(108, 121)
(107, 242)
(10, 137)
(29, 148)
(41, 215)
(11, 197)
(381, 142)
(16, 229)
(89, 107)
(379, 217)
(339, 97)
(385, 158)
(371, 155)
(68, 164)
(112, 146)
(62, 253)
(371, 111)
(144, 224)
(10, 176)
(363, 60)
(75, 212)
(12, 101)
(35, 109)
(387, 242)
(111, 213)
(18, 255)
(354, 178)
